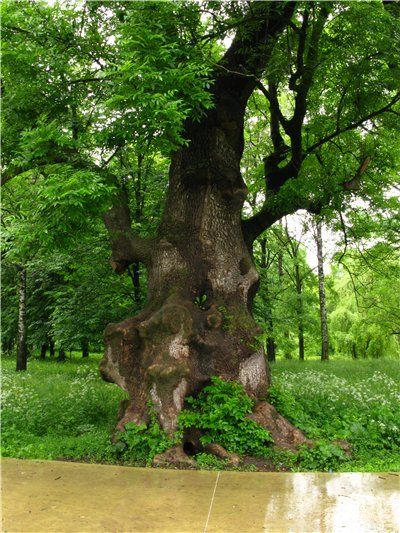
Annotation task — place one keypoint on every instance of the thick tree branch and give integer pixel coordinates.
(271, 213)
(275, 110)
(302, 33)
(250, 49)
(126, 247)
(235, 77)
(237, 73)
(300, 82)
(275, 175)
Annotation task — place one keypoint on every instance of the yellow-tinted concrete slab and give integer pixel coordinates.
(283, 502)
(51, 496)
(61, 497)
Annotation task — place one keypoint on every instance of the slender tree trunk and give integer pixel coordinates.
(354, 350)
(137, 189)
(287, 354)
(43, 350)
(271, 346)
(322, 296)
(301, 339)
(367, 343)
(22, 349)
(85, 348)
(51, 348)
(299, 310)
(61, 355)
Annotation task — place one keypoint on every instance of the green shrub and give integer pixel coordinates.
(323, 456)
(141, 443)
(220, 412)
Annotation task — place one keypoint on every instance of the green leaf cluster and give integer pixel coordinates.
(220, 412)
(141, 443)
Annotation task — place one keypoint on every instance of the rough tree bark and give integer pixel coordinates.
(201, 275)
(322, 296)
(22, 349)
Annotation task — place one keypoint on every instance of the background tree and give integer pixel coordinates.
(321, 292)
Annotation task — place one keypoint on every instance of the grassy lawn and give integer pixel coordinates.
(64, 410)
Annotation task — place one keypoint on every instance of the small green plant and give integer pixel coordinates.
(206, 461)
(201, 301)
(220, 412)
(288, 405)
(141, 443)
(323, 456)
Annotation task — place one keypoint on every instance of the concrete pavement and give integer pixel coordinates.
(52, 496)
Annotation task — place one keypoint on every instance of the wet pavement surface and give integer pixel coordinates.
(51, 496)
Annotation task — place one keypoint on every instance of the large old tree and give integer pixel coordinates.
(178, 77)
(201, 251)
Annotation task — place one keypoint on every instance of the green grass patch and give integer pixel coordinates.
(65, 411)
(58, 410)
(355, 401)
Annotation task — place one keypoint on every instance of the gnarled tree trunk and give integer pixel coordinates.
(201, 276)
(201, 281)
